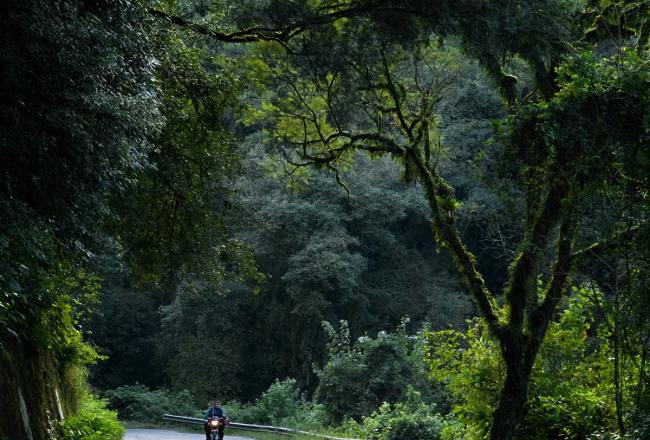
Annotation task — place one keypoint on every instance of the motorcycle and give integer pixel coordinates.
(217, 425)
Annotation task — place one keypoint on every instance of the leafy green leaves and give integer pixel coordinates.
(570, 384)
(358, 376)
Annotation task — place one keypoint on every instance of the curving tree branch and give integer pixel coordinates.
(254, 34)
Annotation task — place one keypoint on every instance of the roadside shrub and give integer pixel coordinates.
(358, 376)
(241, 412)
(93, 421)
(282, 404)
(411, 420)
(311, 416)
(138, 403)
(280, 401)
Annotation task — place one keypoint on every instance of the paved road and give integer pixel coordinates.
(161, 434)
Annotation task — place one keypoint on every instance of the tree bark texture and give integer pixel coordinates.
(512, 400)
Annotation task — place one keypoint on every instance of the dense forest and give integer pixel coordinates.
(376, 218)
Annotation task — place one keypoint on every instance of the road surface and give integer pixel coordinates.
(162, 434)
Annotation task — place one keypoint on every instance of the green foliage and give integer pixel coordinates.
(572, 379)
(50, 312)
(80, 106)
(59, 326)
(341, 386)
(175, 219)
(624, 328)
(139, 403)
(596, 124)
(469, 365)
(638, 429)
(124, 327)
(280, 401)
(92, 421)
(202, 329)
(282, 404)
(570, 387)
(366, 260)
(565, 136)
(117, 136)
(411, 419)
(357, 378)
(489, 31)
(627, 17)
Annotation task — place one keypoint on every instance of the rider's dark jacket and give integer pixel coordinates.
(213, 411)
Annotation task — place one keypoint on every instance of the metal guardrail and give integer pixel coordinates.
(250, 427)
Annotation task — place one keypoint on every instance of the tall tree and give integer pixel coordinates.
(78, 106)
(177, 215)
(78, 109)
(563, 145)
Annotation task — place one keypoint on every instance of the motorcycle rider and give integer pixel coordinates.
(214, 410)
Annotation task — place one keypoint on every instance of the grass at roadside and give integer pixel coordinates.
(259, 435)
(272, 435)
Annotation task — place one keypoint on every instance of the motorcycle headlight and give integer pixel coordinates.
(215, 423)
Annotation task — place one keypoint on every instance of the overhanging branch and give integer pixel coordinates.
(280, 35)
(612, 242)
(465, 259)
(522, 280)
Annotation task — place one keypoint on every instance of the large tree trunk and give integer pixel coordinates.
(510, 409)
(618, 394)
(640, 387)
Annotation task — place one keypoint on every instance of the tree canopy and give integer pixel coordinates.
(294, 178)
